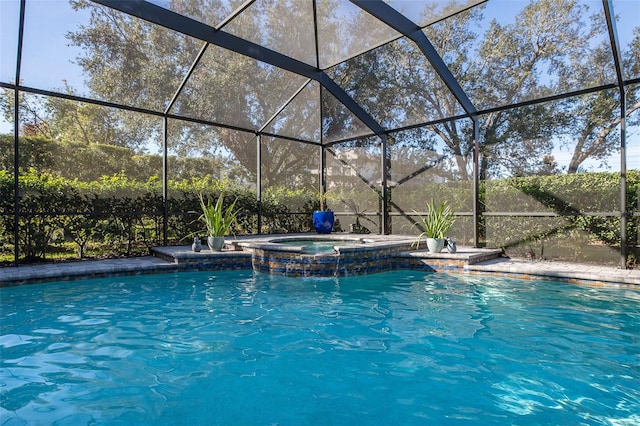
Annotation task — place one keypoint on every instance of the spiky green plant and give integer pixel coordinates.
(217, 219)
(437, 222)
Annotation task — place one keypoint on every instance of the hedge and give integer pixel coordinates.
(555, 216)
(116, 213)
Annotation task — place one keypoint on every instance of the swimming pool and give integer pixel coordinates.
(400, 347)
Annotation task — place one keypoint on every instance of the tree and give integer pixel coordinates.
(32, 116)
(537, 56)
(395, 83)
(518, 64)
(592, 121)
(547, 50)
(143, 64)
(71, 121)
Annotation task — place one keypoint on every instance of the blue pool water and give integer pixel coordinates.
(316, 246)
(396, 348)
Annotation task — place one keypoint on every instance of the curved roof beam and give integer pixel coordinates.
(185, 25)
(403, 25)
(614, 39)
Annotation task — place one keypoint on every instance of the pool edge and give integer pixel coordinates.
(182, 259)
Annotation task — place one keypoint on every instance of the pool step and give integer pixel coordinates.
(447, 262)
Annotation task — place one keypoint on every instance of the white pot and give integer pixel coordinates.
(435, 245)
(215, 243)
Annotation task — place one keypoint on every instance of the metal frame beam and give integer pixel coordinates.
(165, 179)
(16, 139)
(403, 25)
(143, 111)
(384, 184)
(476, 183)
(193, 28)
(617, 59)
(259, 180)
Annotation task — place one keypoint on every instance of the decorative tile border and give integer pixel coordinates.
(366, 259)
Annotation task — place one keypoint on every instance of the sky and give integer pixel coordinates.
(48, 59)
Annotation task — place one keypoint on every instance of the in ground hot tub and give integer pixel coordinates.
(320, 245)
(323, 256)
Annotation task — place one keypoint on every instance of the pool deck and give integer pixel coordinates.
(180, 258)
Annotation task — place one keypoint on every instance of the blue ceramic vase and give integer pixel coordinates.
(323, 221)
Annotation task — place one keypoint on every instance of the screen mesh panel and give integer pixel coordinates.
(502, 53)
(535, 197)
(289, 184)
(397, 85)
(301, 118)
(239, 83)
(430, 164)
(9, 19)
(340, 26)
(232, 89)
(353, 182)
(265, 21)
(208, 160)
(133, 63)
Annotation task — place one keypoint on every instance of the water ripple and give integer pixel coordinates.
(234, 348)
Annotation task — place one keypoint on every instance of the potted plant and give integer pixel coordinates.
(324, 218)
(436, 223)
(218, 220)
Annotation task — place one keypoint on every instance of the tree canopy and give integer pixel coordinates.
(548, 48)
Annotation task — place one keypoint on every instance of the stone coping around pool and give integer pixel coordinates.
(467, 255)
(568, 272)
(184, 254)
(360, 243)
(69, 271)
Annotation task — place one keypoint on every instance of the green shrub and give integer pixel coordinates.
(123, 214)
